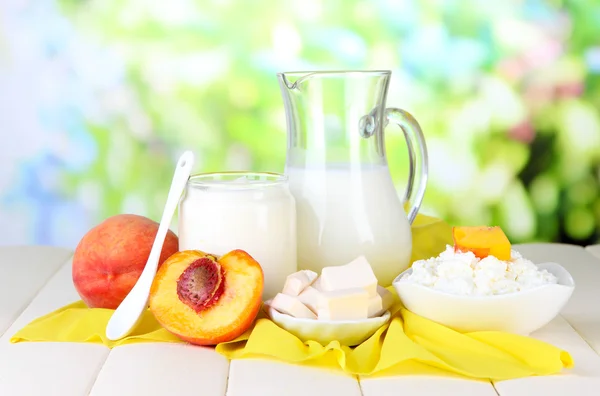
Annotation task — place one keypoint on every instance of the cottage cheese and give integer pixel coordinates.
(464, 274)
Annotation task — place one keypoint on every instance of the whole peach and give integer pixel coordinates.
(110, 258)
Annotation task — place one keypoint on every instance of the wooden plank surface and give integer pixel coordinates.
(23, 272)
(594, 250)
(61, 369)
(583, 309)
(154, 369)
(577, 330)
(436, 382)
(269, 378)
(29, 369)
(577, 380)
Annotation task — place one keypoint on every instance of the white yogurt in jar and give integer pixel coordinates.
(463, 273)
(255, 212)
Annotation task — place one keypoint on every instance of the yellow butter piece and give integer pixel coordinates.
(381, 302)
(317, 284)
(298, 281)
(310, 297)
(346, 304)
(292, 306)
(356, 274)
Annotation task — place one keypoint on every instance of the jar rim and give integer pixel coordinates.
(224, 179)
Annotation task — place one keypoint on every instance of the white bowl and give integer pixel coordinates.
(347, 332)
(521, 312)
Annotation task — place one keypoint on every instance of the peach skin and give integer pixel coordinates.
(110, 258)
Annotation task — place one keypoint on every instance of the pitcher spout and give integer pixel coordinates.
(294, 79)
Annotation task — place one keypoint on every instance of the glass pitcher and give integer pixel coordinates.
(336, 163)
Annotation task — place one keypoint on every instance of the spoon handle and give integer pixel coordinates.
(180, 178)
(128, 313)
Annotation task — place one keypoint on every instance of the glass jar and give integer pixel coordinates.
(251, 211)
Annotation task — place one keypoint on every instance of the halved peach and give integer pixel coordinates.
(206, 301)
(483, 241)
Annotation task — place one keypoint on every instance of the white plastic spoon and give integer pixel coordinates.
(127, 315)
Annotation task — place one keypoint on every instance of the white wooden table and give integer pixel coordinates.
(37, 280)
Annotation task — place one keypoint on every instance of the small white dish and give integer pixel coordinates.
(520, 313)
(347, 332)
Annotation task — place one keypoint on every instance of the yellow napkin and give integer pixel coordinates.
(430, 236)
(410, 344)
(78, 323)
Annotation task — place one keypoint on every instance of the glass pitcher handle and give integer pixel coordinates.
(417, 155)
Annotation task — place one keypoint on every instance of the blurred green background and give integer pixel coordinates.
(100, 97)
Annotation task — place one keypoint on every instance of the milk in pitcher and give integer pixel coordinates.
(336, 162)
(344, 212)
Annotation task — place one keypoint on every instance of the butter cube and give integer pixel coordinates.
(310, 297)
(347, 304)
(292, 306)
(386, 296)
(375, 306)
(298, 281)
(381, 302)
(317, 284)
(356, 274)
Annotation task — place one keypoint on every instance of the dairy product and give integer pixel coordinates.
(380, 303)
(356, 274)
(346, 304)
(386, 296)
(345, 212)
(298, 281)
(317, 284)
(375, 305)
(347, 292)
(463, 273)
(255, 213)
(290, 305)
(310, 297)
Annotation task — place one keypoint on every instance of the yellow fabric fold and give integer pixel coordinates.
(78, 323)
(409, 344)
(430, 236)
